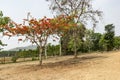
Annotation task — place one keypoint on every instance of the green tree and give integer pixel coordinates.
(102, 44)
(83, 11)
(95, 39)
(109, 36)
(107, 40)
(53, 50)
(117, 42)
(80, 30)
(88, 39)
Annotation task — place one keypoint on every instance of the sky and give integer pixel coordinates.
(17, 10)
(111, 14)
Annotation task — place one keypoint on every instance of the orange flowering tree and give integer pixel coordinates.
(38, 31)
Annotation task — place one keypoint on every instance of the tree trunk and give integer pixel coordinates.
(45, 51)
(4, 60)
(60, 48)
(40, 56)
(24, 58)
(75, 48)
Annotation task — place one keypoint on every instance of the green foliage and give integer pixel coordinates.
(109, 36)
(1, 13)
(88, 40)
(68, 40)
(3, 21)
(71, 44)
(95, 40)
(52, 50)
(107, 40)
(14, 59)
(33, 58)
(117, 42)
(102, 43)
(1, 42)
(91, 41)
(27, 53)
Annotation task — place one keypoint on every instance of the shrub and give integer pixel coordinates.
(33, 58)
(14, 59)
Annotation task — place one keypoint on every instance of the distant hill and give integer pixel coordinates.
(32, 47)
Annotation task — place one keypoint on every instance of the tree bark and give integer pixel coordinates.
(24, 58)
(40, 56)
(75, 48)
(45, 51)
(60, 54)
(4, 60)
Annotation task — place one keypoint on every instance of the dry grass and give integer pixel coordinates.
(85, 67)
(8, 59)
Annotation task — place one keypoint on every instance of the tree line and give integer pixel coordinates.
(89, 41)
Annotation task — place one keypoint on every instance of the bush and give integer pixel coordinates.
(33, 59)
(14, 59)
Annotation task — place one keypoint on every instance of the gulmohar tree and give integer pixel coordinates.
(38, 31)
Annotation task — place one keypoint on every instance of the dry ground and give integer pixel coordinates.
(85, 67)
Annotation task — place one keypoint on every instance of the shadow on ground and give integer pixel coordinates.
(72, 61)
(65, 63)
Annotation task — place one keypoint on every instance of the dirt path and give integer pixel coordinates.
(86, 67)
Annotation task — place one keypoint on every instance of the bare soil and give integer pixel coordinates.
(95, 66)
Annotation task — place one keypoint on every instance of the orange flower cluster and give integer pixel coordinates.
(45, 26)
(63, 23)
